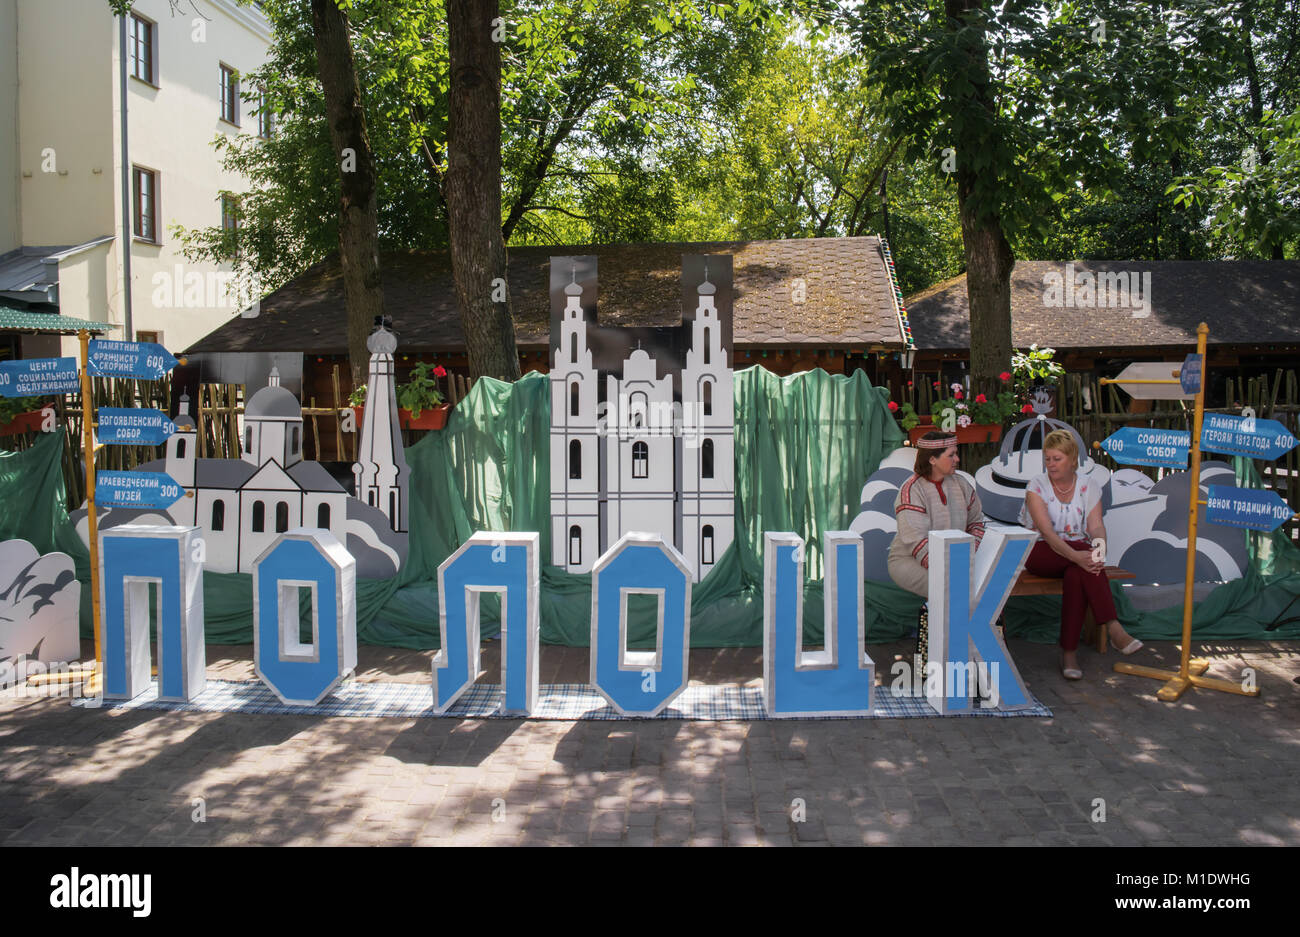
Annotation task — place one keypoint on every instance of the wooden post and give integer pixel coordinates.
(1190, 672)
(92, 520)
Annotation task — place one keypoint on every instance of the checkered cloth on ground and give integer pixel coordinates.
(560, 701)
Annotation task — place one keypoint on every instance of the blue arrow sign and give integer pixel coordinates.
(131, 426)
(1256, 508)
(1246, 436)
(147, 361)
(34, 377)
(1190, 375)
(1134, 445)
(137, 490)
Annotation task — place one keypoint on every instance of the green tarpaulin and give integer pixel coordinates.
(805, 445)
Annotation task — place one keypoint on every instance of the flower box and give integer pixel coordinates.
(29, 422)
(430, 417)
(976, 432)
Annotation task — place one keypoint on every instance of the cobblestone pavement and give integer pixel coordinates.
(1212, 768)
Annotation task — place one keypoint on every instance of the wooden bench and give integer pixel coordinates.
(1029, 584)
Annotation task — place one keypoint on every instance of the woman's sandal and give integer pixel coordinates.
(1070, 673)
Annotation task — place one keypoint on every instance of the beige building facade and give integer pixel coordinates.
(60, 158)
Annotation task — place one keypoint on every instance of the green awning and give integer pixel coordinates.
(27, 321)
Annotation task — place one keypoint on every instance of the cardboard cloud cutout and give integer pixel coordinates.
(1146, 521)
(40, 599)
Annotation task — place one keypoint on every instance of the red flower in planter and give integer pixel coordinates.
(936, 383)
(980, 398)
(439, 371)
(1026, 409)
(893, 406)
(957, 395)
(1004, 376)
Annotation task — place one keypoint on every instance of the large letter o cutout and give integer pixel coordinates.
(303, 673)
(640, 683)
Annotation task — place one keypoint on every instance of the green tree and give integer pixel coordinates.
(1023, 103)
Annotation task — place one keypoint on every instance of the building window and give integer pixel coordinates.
(218, 515)
(180, 448)
(142, 48)
(573, 399)
(282, 517)
(575, 545)
(637, 407)
(155, 337)
(640, 460)
(229, 95)
(146, 204)
(248, 439)
(575, 459)
(293, 441)
(229, 213)
(706, 344)
(706, 394)
(259, 517)
(265, 117)
(573, 349)
(323, 515)
(392, 508)
(706, 544)
(706, 459)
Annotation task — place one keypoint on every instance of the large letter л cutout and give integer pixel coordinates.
(130, 557)
(838, 680)
(640, 683)
(302, 674)
(965, 600)
(506, 563)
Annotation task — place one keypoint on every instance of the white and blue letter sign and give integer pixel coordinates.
(489, 562)
(302, 672)
(836, 681)
(968, 588)
(131, 557)
(640, 683)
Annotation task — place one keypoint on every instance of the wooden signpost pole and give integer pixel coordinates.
(1190, 672)
(95, 683)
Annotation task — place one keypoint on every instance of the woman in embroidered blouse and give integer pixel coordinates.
(935, 498)
(1066, 512)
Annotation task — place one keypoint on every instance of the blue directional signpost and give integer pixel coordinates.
(146, 361)
(137, 490)
(1142, 446)
(35, 377)
(134, 427)
(1134, 445)
(1246, 436)
(1189, 377)
(1253, 508)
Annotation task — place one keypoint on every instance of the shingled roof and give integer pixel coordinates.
(849, 298)
(1242, 301)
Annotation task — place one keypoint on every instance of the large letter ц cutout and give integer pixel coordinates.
(838, 680)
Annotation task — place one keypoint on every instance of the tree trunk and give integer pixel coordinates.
(363, 294)
(473, 188)
(988, 292)
(988, 255)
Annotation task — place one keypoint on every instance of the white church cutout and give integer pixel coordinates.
(244, 504)
(642, 422)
